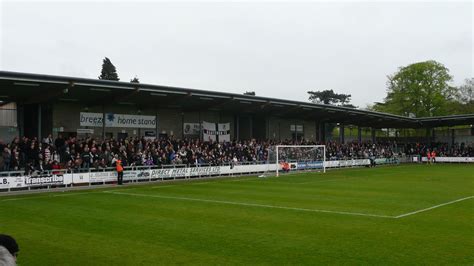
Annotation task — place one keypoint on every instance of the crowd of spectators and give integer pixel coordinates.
(73, 153)
(441, 149)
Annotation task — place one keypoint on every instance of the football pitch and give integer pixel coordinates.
(406, 214)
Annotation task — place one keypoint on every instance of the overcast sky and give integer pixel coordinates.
(276, 49)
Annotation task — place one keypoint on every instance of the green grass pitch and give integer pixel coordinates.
(399, 215)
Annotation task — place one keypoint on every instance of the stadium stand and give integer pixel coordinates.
(73, 153)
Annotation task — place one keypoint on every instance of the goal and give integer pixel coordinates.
(300, 157)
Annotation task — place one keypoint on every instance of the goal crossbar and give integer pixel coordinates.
(278, 147)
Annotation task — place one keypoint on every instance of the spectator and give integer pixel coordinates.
(6, 259)
(48, 140)
(59, 143)
(10, 244)
(76, 153)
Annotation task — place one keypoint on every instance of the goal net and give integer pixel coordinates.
(300, 157)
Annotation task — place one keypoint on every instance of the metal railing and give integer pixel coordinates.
(379, 160)
(155, 167)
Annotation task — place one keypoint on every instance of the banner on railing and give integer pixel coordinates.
(98, 177)
(309, 165)
(167, 173)
(451, 159)
(78, 178)
(35, 180)
(42, 180)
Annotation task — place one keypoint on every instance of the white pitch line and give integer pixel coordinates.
(432, 207)
(201, 183)
(238, 180)
(308, 182)
(252, 204)
(49, 196)
(184, 184)
(161, 186)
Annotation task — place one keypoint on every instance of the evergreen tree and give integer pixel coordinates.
(330, 97)
(108, 70)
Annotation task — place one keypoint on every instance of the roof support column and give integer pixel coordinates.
(316, 129)
(182, 124)
(20, 117)
(39, 123)
(156, 124)
(359, 134)
(267, 128)
(322, 132)
(103, 122)
(397, 135)
(237, 131)
(251, 126)
(373, 135)
(428, 135)
(279, 130)
(453, 137)
(201, 137)
(341, 133)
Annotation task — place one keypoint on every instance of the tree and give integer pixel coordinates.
(135, 80)
(251, 93)
(108, 70)
(464, 99)
(420, 89)
(329, 97)
(465, 93)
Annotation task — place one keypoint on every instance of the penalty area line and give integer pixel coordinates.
(432, 207)
(251, 204)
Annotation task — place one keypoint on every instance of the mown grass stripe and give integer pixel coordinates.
(250, 204)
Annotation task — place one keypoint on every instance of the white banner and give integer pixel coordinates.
(17, 181)
(78, 178)
(345, 163)
(5, 183)
(97, 177)
(117, 120)
(331, 164)
(208, 131)
(451, 159)
(224, 132)
(37, 180)
(42, 180)
(189, 172)
(90, 119)
(137, 175)
(191, 129)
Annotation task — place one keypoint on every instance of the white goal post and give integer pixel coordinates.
(309, 155)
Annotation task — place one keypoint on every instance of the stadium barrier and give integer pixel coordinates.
(58, 178)
(450, 159)
(17, 180)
